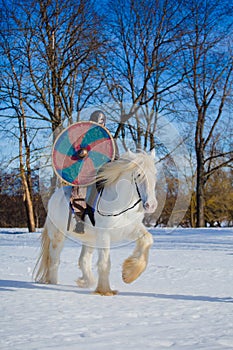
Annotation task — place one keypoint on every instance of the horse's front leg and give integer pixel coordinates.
(137, 262)
(85, 263)
(104, 266)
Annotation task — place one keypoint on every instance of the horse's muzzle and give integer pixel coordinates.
(150, 206)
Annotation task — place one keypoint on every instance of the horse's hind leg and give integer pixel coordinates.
(55, 248)
(85, 263)
(137, 262)
(51, 245)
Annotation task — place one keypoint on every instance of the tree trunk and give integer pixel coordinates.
(193, 210)
(28, 204)
(25, 184)
(200, 177)
(200, 197)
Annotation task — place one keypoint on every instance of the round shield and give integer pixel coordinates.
(80, 151)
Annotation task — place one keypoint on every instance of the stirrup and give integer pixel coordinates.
(79, 227)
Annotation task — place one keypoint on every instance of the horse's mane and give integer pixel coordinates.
(128, 162)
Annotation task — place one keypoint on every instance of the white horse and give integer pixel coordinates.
(128, 192)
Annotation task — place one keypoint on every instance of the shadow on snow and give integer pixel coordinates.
(12, 286)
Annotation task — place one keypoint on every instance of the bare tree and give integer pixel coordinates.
(59, 46)
(50, 53)
(209, 67)
(141, 70)
(13, 81)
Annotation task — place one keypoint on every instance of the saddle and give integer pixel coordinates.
(83, 202)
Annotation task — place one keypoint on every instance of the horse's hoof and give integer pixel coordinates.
(108, 293)
(132, 269)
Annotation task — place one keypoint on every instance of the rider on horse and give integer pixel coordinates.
(78, 195)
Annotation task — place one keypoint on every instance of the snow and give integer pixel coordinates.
(184, 299)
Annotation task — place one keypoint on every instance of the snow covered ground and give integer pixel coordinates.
(184, 300)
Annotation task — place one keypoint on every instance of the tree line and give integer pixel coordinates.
(218, 209)
(143, 62)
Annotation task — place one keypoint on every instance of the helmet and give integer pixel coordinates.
(98, 117)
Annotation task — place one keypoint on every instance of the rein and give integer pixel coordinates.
(123, 211)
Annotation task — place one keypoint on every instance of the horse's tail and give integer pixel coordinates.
(41, 270)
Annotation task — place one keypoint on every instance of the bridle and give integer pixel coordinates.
(125, 210)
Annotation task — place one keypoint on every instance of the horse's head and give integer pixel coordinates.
(136, 169)
(145, 179)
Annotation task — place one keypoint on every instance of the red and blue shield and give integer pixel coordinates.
(80, 151)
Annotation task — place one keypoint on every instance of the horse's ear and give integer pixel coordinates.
(152, 153)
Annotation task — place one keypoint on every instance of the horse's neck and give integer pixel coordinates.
(119, 196)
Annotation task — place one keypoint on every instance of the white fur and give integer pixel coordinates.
(119, 194)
